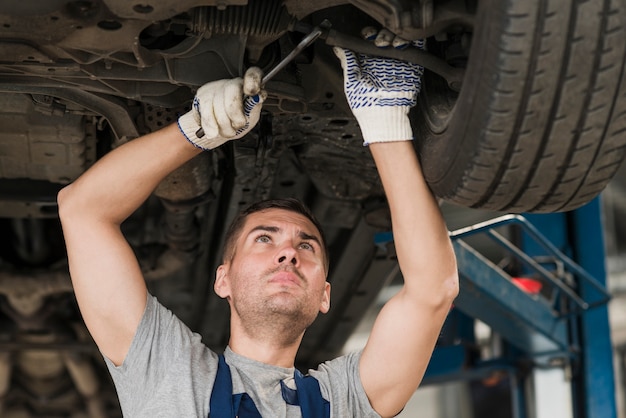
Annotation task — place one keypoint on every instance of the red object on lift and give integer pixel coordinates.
(531, 286)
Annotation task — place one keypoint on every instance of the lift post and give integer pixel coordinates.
(594, 383)
(563, 327)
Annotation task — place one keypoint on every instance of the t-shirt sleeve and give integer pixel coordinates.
(340, 384)
(167, 368)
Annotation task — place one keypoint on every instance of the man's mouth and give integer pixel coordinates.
(286, 277)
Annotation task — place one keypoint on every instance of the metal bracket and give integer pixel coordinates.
(565, 266)
(537, 323)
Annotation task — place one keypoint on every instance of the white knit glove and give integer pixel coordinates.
(381, 91)
(224, 110)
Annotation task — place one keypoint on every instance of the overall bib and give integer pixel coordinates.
(226, 405)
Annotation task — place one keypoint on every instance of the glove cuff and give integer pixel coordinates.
(384, 124)
(189, 128)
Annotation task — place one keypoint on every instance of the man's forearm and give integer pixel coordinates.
(420, 234)
(122, 180)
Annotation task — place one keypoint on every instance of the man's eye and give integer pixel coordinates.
(263, 238)
(306, 246)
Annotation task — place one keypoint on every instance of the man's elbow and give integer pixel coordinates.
(446, 291)
(451, 287)
(69, 205)
(443, 295)
(438, 294)
(63, 202)
(449, 280)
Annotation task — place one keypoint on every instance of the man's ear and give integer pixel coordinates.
(222, 285)
(325, 306)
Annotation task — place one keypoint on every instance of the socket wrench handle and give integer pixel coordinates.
(251, 101)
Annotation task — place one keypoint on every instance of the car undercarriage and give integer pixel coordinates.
(80, 78)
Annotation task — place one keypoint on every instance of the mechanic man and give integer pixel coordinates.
(273, 273)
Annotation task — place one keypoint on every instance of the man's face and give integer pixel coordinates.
(277, 271)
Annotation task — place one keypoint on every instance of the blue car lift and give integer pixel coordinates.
(560, 323)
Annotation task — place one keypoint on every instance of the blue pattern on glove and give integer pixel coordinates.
(375, 81)
(196, 104)
(248, 104)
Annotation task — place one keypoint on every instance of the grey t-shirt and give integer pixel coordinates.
(168, 372)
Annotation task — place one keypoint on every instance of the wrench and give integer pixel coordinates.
(251, 101)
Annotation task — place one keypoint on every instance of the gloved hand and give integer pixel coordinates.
(381, 91)
(224, 109)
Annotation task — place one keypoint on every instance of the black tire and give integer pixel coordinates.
(540, 122)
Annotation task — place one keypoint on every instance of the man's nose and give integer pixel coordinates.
(287, 254)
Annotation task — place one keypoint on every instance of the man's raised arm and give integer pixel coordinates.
(381, 92)
(107, 280)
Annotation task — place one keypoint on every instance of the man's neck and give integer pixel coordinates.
(265, 348)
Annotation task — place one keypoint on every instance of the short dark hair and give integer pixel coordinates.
(290, 204)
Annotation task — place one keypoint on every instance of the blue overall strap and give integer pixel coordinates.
(312, 404)
(223, 403)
